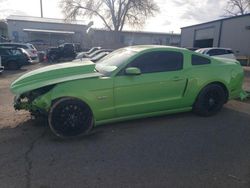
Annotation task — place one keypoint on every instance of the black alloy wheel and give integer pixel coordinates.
(210, 100)
(70, 117)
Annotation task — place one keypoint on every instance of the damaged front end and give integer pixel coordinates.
(37, 102)
(244, 95)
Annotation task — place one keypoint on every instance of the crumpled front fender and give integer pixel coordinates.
(244, 95)
(41, 103)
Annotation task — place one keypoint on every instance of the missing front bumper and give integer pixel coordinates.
(244, 95)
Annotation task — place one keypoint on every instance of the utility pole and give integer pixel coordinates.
(41, 6)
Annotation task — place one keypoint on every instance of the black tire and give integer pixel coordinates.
(210, 100)
(70, 117)
(12, 65)
(53, 58)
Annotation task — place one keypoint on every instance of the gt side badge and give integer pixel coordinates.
(102, 97)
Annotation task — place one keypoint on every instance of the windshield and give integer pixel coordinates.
(114, 60)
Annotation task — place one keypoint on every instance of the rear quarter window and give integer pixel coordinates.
(22, 46)
(31, 46)
(214, 52)
(229, 51)
(199, 60)
(16, 52)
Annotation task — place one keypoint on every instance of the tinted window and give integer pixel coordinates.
(229, 51)
(22, 46)
(4, 52)
(31, 46)
(198, 60)
(15, 51)
(158, 62)
(216, 52)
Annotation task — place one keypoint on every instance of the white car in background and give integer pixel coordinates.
(1, 67)
(217, 52)
(32, 51)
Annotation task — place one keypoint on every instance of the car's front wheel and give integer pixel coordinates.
(210, 100)
(70, 117)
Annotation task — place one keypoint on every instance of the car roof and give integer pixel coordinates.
(12, 43)
(139, 48)
(214, 48)
(8, 48)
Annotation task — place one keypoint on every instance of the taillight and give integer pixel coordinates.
(34, 51)
(45, 58)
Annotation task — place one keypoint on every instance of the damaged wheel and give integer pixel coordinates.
(70, 117)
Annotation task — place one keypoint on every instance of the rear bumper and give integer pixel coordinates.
(1, 68)
(34, 59)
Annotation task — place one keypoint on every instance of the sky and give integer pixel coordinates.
(173, 14)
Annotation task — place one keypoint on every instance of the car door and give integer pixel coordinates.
(4, 56)
(159, 87)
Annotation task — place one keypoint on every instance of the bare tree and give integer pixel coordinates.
(113, 13)
(237, 7)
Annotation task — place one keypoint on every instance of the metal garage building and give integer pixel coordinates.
(233, 32)
(45, 32)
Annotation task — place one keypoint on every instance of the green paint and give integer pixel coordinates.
(113, 97)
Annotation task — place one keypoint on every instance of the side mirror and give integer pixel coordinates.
(132, 71)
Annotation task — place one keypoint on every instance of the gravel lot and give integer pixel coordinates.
(180, 150)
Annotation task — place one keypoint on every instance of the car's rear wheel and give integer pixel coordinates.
(210, 100)
(53, 58)
(12, 65)
(70, 117)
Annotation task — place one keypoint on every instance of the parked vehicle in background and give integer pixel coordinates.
(84, 54)
(12, 58)
(92, 50)
(132, 82)
(192, 48)
(26, 54)
(93, 54)
(217, 52)
(42, 56)
(1, 67)
(26, 46)
(64, 51)
(94, 59)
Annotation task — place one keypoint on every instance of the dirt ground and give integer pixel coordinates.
(9, 117)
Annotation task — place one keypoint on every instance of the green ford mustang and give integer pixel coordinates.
(132, 82)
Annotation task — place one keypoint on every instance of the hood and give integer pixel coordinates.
(53, 74)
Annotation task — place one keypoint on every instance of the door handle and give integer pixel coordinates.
(177, 78)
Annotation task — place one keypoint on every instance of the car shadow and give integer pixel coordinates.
(179, 122)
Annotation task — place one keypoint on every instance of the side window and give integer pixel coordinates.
(15, 52)
(22, 46)
(229, 51)
(158, 61)
(216, 52)
(4, 52)
(198, 60)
